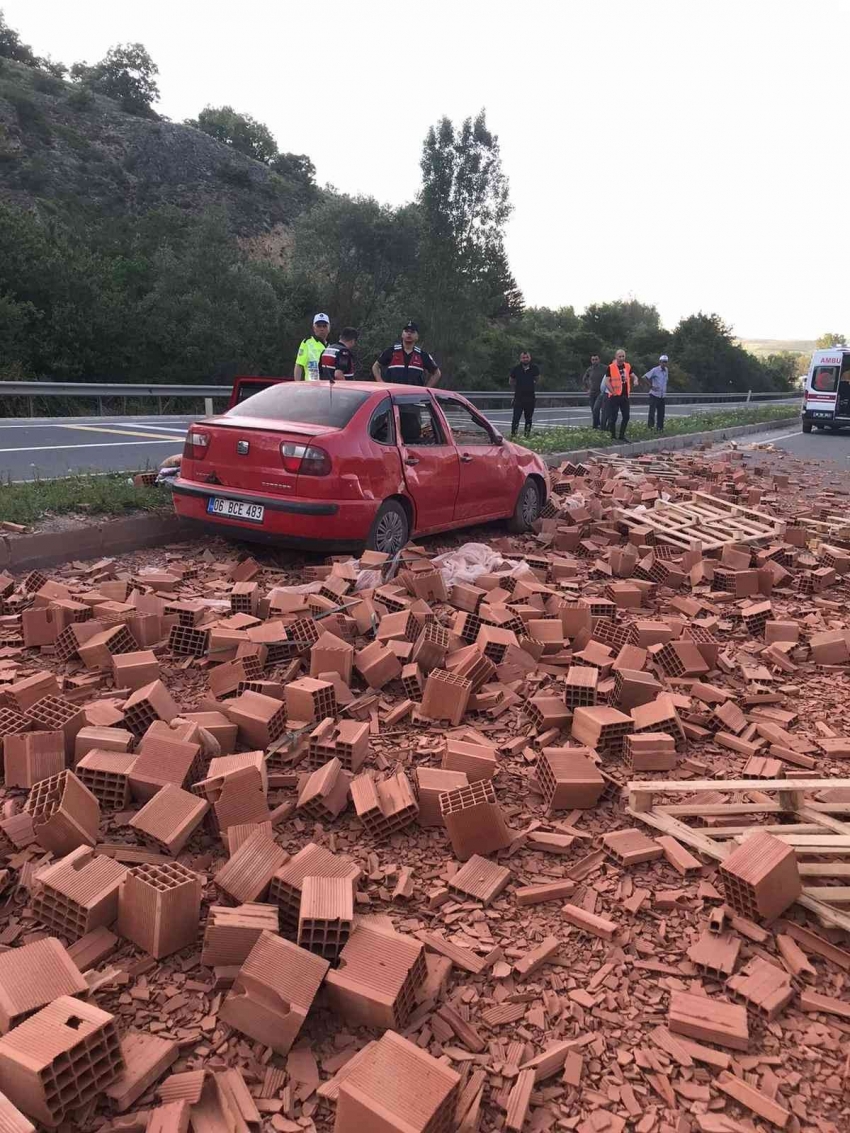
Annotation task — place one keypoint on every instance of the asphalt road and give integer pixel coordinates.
(48, 447)
(826, 446)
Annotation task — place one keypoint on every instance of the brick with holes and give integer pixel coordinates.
(273, 992)
(287, 883)
(324, 793)
(159, 907)
(378, 976)
(65, 814)
(29, 757)
(148, 704)
(474, 820)
(568, 778)
(261, 719)
(55, 714)
(310, 700)
(169, 819)
(384, 806)
(603, 729)
(423, 1097)
(760, 878)
(78, 893)
(59, 1059)
(326, 916)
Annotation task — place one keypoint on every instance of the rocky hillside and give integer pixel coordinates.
(66, 152)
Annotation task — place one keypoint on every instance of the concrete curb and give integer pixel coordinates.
(111, 537)
(666, 444)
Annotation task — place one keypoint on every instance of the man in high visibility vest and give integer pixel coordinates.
(311, 349)
(619, 387)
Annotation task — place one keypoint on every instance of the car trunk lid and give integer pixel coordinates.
(245, 453)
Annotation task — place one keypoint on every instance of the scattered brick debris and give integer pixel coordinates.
(554, 842)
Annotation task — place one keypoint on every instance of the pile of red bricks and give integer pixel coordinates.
(287, 857)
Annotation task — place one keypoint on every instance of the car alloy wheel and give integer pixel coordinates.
(389, 533)
(530, 504)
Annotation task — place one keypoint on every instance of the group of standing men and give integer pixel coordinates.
(404, 363)
(610, 387)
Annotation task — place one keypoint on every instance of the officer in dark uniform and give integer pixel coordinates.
(338, 363)
(406, 363)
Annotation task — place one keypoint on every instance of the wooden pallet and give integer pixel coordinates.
(811, 828)
(703, 520)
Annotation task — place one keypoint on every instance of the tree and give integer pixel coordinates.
(827, 340)
(239, 131)
(11, 46)
(463, 275)
(126, 73)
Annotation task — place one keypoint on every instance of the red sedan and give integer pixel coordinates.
(323, 465)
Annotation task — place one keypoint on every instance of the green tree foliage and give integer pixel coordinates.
(11, 46)
(463, 277)
(239, 131)
(827, 340)
(126, 73)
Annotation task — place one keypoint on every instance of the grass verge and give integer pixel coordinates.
(112, 494)
(566, 439)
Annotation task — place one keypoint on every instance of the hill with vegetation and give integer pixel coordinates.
(69, 153)
(133, 248)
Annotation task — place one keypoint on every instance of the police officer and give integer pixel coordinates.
(406, 363)
(311, 349)
(338, 363)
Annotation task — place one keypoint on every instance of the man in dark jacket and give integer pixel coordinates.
(592, 382)
(523, 378)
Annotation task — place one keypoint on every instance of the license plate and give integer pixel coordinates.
(822, 413)
(235, 509)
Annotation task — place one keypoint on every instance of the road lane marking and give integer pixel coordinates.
(115, 432)
(102, 444)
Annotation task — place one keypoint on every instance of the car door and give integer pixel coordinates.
(488, 477)
(429, 459)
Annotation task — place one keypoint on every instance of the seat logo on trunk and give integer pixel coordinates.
(242, 447)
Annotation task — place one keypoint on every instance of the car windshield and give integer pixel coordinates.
(306, 403)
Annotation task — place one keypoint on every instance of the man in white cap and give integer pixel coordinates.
(657, 378)
(311, 349)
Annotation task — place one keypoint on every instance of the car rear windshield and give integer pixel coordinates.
(251, 389)
(305, 403)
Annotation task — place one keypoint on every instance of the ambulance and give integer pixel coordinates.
(826, 397)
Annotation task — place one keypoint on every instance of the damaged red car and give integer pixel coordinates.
(345, 465)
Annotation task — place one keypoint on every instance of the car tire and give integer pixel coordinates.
(527, 508)
(807, 426)
(391, 529)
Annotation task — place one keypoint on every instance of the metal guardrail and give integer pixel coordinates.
(128, 391)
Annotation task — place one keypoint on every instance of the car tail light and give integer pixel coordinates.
(305, 460)
(196, 445)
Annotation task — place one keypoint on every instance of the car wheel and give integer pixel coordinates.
(807, 426)
(527, 508)
(391, 529)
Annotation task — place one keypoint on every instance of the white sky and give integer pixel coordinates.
(692, 153)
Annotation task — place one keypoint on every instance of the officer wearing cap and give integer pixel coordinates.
(406, 363)
(311, 349)
(657, 378)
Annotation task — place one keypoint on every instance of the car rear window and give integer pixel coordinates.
(251, 389)
(305, 403)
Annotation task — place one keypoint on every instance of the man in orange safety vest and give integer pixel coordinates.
(618, 387)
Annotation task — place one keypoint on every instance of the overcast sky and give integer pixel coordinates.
(691, 153)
